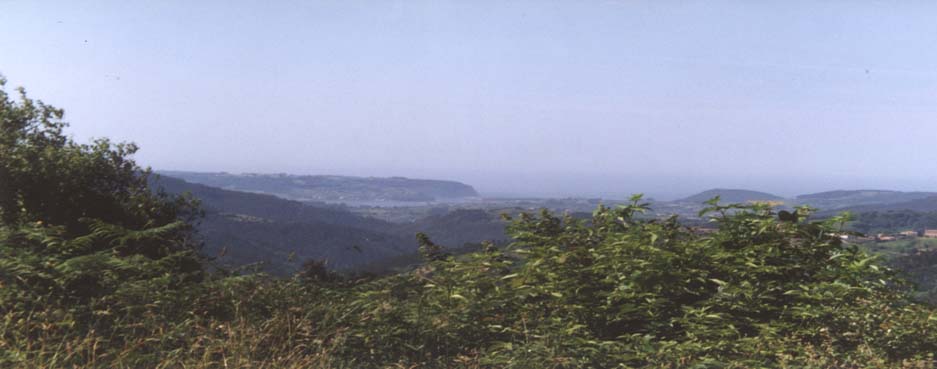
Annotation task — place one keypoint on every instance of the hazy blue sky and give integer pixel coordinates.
(558, 98)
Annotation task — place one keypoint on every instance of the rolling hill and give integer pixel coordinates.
(335, 189)
(927, 204)
(731, 196)
(839, 199)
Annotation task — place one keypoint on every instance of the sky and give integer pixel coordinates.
(538, 98)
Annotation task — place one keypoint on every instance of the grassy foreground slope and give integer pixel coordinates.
(98, 271)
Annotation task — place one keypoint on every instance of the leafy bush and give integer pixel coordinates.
(98, 271)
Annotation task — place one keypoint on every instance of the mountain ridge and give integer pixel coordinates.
(731, 195)
(842, 199)
(333, 188)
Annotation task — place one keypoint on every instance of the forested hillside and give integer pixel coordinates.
(925, 204)
(833, 200)
(241, 228)
(893, 221)
(98, 270)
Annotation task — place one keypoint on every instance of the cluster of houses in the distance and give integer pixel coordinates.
(885, 237)
(881, 237)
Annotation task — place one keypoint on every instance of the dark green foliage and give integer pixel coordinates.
(46, 177)
(85, 246)
(605, 292)
(619, 291)
(317, 271)
(429, 250)
(894, 221)
(787, 216)
(926, 204)
(116, 284)
(455, 228)
(920, 267)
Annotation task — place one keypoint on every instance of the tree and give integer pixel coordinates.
(46, 177)
(85, 244)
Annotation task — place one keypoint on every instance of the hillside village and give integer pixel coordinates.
(887, 237)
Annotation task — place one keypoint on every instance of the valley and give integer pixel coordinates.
(264, 225)
(468, 184)
(277, 234)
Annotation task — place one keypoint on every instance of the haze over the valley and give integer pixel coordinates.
(522, 98)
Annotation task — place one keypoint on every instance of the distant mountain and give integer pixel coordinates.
(839, 199)
(927, 204)
(731, 196)
(334, 189)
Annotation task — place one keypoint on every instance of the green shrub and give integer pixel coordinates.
(97, 270)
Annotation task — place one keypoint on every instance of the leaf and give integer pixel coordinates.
(863, 262)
